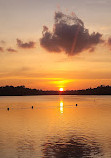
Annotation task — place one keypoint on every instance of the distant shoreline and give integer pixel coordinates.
(56, 95)
(23, 91)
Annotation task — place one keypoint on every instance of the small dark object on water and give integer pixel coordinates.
(8, 109)
(76, 104)
(32, 107)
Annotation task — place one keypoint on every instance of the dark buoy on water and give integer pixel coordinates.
(76, 104)
(8, 109)
(32, 107)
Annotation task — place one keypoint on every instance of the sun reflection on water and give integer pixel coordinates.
(61, 107)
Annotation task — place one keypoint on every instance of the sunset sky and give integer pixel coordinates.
(51, 44)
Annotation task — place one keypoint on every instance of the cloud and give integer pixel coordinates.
(11, 50)
(1, 49)
(69, 35)
(2, 42)
(109, 41)
(30, 44)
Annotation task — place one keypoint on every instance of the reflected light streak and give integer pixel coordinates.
(61, 107)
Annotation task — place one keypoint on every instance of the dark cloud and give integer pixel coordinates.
(69, 35)
(92, 49)
(1, 49)
(11, 50)
(2, 42)
(30, 44)
(109, 41)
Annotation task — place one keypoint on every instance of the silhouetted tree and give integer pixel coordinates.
(22, 90)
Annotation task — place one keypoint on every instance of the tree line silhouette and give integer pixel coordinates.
(23, 91)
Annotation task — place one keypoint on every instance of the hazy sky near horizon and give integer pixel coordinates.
(24, 61)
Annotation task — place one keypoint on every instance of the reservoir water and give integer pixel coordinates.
(55, 127)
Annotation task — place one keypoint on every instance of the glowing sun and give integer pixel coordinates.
(61, 89)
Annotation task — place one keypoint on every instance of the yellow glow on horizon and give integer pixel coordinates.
(62, 83)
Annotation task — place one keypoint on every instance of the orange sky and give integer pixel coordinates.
(36, 67)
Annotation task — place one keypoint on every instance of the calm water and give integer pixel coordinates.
(55, 127)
